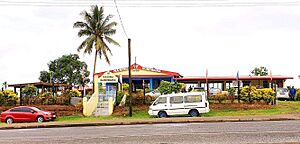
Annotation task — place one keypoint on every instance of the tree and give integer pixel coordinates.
(98, 29)
(44, 76)
(66, 69)
(260, 71)
(166, 87)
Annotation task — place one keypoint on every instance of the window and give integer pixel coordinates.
(161, 100)
(193, 99)
(176, 99)
(26, 110)
(16, 110)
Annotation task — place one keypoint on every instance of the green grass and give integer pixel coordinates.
(283, 107)
(135, 115)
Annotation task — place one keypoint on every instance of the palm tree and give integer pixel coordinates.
(98, 30)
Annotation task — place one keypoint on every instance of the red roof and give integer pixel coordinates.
(139, 67)
(221, 78)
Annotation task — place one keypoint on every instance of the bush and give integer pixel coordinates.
(266, 95)
(298, 94)
(8, 98)
(120, 95)
(166, 87)
(231, 93)
(125, 86)
(29, 90)
(220, 97)
(44, 99)
(72, 93)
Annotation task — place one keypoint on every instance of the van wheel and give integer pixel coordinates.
(9, 120)
(194, 113)
(162, 114)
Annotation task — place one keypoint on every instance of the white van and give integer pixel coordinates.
(192, 103)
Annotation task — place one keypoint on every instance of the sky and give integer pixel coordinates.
(187, 40)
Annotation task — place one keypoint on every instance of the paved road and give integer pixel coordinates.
(187, 133)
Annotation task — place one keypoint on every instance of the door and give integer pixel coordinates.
(176, 105)
(28, 114)
(160, 104)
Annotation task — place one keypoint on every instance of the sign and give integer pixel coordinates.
(108, 77)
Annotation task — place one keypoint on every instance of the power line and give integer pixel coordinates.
(120, 19)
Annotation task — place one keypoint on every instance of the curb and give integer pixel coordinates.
(147, 121)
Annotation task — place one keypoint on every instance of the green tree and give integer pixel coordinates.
(66, 69)
(44, 76)
(260, 71)
(98, 30)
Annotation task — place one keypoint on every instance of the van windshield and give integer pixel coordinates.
(160, 100)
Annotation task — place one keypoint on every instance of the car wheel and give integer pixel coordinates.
(194, 113)
(162, 114)
(40, 119)
(9, 120)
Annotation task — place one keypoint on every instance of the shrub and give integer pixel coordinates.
(72, 93)
(166, 87)
(120, 95)
(220, 97)
(44, 99)
(231, 93)
(8, 98)
(268, 95)
(298, 94)
(250, 95)
(125, 86)
(29, 90)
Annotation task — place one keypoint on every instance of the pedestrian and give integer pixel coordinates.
(292, 93)
(190, 89)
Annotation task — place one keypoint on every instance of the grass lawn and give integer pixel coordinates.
(283, 107)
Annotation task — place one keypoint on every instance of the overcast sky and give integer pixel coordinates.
(186, 40)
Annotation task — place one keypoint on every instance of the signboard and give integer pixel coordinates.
(108, 77)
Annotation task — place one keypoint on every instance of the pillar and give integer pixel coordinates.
(151, 84)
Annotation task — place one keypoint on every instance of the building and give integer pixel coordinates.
(224, 82)
(149, 75)
(153, 76)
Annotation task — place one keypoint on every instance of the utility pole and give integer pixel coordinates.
(130, 81)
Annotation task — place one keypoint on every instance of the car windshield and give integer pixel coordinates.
(282, 90)
(35, 109)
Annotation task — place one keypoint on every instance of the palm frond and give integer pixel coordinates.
(87, 44)
(107, 48)
(111, 41)
(109, 32)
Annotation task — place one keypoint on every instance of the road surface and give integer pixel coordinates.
(187, 133)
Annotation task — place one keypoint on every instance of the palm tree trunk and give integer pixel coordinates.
(95, 60)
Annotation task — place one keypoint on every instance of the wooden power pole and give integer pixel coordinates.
(129, 75)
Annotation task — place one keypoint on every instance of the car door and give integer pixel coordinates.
(176, 105)
(28, 114)
(16, 113)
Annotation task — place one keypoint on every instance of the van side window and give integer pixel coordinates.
(193, 99)
(176, 99)
(161, 100)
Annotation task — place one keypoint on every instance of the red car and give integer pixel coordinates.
(26, 114)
